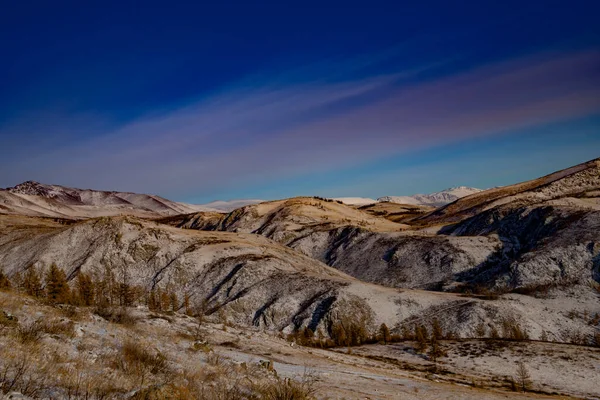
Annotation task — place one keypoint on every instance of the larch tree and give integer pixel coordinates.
(384, 334)
(32, 283)
(57, 288)
(85, 289)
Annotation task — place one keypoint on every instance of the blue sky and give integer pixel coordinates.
(198, 101)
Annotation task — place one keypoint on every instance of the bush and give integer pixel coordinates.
(117, 315)
(59, 327)
(512, 330)
(289, 389)
(141, 363)
(30, 332)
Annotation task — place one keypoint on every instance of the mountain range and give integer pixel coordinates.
(519, 261)
(38, 199)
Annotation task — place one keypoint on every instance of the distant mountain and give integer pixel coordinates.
(230, 205)
(436, 199)
(42, 200)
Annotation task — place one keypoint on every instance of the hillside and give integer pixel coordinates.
(523, 238)
(257, 282)
(577, 186)
(37, 199)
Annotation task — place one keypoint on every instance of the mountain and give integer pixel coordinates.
(529, 252)
(436, 199)
(538, 237)
(577, 186)
(37, 199)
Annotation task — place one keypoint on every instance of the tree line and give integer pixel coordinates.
(89, 290)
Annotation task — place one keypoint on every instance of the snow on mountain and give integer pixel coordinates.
(434, 199)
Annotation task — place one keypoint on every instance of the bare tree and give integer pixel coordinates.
(523, 377)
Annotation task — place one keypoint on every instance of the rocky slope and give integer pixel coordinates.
(36, 199)
(542, 233)
(576, 186)
(257, 282)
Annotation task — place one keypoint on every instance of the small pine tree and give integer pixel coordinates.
(57, 289)
(384, 334)
(523, 377)
(125, 293)
(32, 282)
(494, 334)
(421, 337)
(338, 335)
(406, 333)
(174, 302)
(186, 304)
(307, 336)
(164, 299)
(85, 290)
(152, 302)
(480, 330)
(435, 350)
(436, 329)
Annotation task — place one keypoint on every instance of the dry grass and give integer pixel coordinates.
(289, 389)
(107, 365)
(135, 360)
(117, 315)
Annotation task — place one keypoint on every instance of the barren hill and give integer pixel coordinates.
(257, 282)
(525, 237)
(37, 199)
(574, 186)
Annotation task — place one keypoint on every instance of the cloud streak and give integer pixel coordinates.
(267, 131)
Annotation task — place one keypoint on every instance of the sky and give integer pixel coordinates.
(198, 101)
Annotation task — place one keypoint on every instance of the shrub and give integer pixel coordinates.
(59, 327)
(8, 320)
(137, 361)
(20, 373)
(117, 315)
(480, 330)
(30, 332)
(512, 330)
(289, 389)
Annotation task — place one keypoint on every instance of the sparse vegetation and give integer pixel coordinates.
(523, 378)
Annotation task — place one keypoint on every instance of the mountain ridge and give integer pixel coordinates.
(38, 199)
(435, 199)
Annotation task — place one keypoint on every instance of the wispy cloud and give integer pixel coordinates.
(263, 131)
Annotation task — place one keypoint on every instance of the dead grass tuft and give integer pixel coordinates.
(117, 315)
